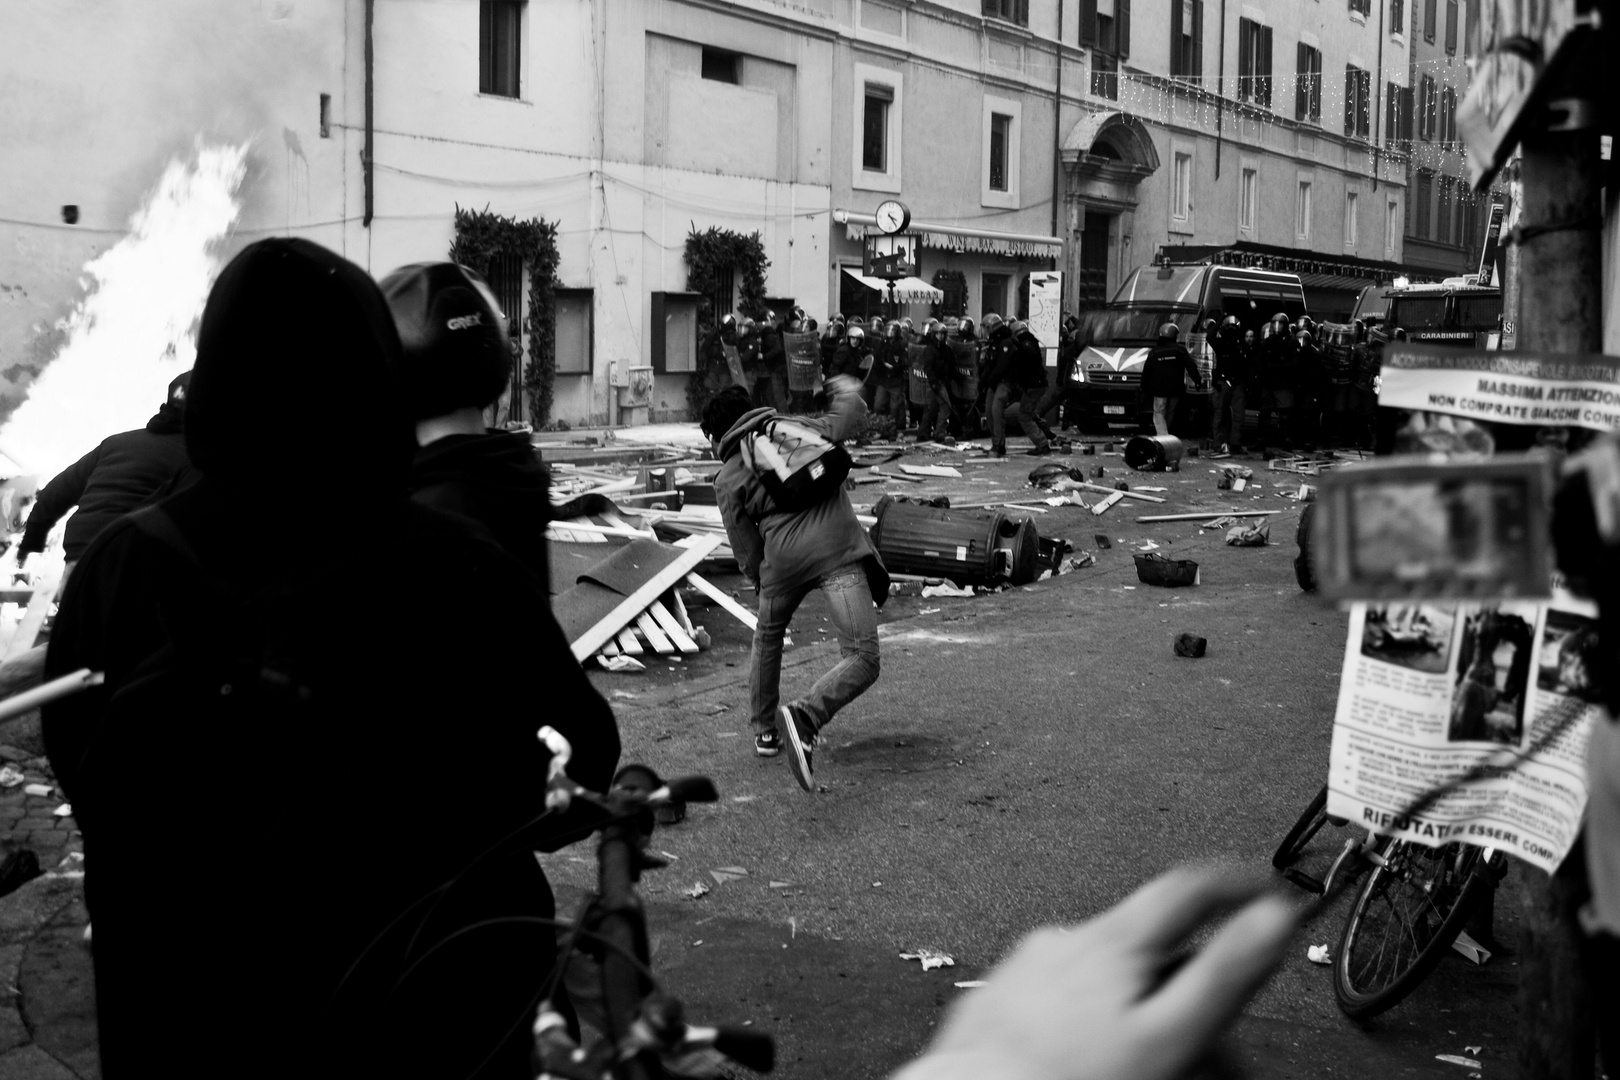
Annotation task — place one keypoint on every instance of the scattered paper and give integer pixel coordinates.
(971, 984)
(739, 871)
(1458, 1059)
(65, 810)
(1318, 954)
(42, 790)
(728, 873)
(924, 611)
(1056, 500)
(697, 890)
(9, 777)
(930, 959)
(1473, 950)
(942, 471)
(947, 589)
(781, 884)
(1148, 545)
(1472, 1049)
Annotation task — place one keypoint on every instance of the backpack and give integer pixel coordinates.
(799, 466)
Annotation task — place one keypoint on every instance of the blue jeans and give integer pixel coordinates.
(854, 618)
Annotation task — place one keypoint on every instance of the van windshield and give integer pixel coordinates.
(1132, 325)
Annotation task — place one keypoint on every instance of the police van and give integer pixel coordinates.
(1457, 312)
(1120, 334)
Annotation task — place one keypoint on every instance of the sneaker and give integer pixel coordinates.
(802, 744)
(767, 744)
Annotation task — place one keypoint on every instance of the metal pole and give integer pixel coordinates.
(1560, 305)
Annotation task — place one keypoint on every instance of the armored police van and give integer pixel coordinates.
(1119, 335)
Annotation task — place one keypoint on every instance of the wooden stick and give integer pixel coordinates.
(671, 627)
(630, 644)
(655, 637)
(740, 613)
(679, 608)
(610, 649)
(637, 602)
(45, 693)
(1021, 506)
(22, 639)
(599, 530)
(1128, 494)
(1208, 515)
(1102, 506)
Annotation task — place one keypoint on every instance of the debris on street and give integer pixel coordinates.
(930, 959)
(1318, 954)
(1458, 1059)
(1189, 646)
(1154, 569)
(696, 892)
(1248, 535)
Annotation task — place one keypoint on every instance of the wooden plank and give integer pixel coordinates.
(22, 639)
(637, 602)
(679, 607)
(1022, 506)
(740, 613)
(1128, 494)
(671, 627)
(630, 644)
(1207, 515)
(599, 530)
(610, 649)
(655, 637)
(1104, 505)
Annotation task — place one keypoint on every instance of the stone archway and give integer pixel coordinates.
(1105, 156)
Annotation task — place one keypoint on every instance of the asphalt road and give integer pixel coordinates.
(1027, 757)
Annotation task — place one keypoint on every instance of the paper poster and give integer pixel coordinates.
(1431, 690)
(1541, 389)
(1046, 311)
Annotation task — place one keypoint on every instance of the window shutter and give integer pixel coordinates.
(1022, 18)
(1349, 100)
(1088, 22)
(1175, 38)
(1429, 9)
(1302, 91)
(1245, 60)
(1392, 113)
(1406, 113)
(1197, 64)
(1122, 26)
(1451, 26)
(1265, 66)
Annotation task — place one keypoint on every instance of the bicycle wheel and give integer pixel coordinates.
(1309, 824)
(1409, 911)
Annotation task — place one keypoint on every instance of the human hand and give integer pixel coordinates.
(1098, 1000)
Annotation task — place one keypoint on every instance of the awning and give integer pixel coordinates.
(1333, 281)
(858, 226)
(907, 290)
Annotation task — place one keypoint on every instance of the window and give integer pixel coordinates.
(719, 65)
(1442, 217)
(1181, 205)
(875, 128)
(1429, 9)
(1448, 115)
(993, 294)
(573, 331)
(1254, 62)
(674, 332)
(1106, 33)
(1392, 230)
(1308, 89)
(1357, 101)
(1104, 76)
(1013, 11)
(499, 47)
(1428, 109)
(1352, 223)
(1397, 114)
(1248, 199)
(1361, 7)
(1000, 133)
(1397, 16)
(1420, 215)
(1451, 27)
(1302, 211)
(1187, 38)
(884, 18)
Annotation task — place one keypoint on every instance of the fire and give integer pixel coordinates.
(136, 327)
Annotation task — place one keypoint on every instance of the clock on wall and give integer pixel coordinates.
(893, 216)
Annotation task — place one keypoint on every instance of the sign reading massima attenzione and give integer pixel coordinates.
(1553, 389)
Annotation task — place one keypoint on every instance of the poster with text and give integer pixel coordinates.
(1518, 387)
(1431, 690)
(1046, 311)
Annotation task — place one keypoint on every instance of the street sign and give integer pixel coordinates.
(1523, 48)
(1490, 252)
(891, 257)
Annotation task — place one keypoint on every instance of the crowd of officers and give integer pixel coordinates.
(947, 379)
(1311, 384)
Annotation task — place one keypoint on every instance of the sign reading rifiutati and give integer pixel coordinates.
(1551, 389)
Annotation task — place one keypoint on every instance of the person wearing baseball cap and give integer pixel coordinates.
(457, 362)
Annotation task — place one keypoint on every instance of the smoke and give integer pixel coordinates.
(135, 329)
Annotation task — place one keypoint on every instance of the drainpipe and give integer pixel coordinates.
(1057, 133)
(1220, 92)
(371, 78)
(1378, 90)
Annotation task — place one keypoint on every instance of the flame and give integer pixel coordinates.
(136, 327)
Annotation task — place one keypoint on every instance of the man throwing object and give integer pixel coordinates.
(789, 554)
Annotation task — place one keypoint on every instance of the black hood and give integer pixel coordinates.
(500, 461)
(297, 376)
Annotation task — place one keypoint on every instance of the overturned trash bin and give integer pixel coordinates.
(970, 547)
(1154, 453)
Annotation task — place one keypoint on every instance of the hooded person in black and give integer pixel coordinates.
(294, 688)
(121, 473)
(456, 365)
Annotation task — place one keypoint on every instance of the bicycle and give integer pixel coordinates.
(1412, 907)
(646, 1036)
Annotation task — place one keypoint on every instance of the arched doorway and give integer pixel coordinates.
(1105, 156)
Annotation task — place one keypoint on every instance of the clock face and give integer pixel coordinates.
(892, 216)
